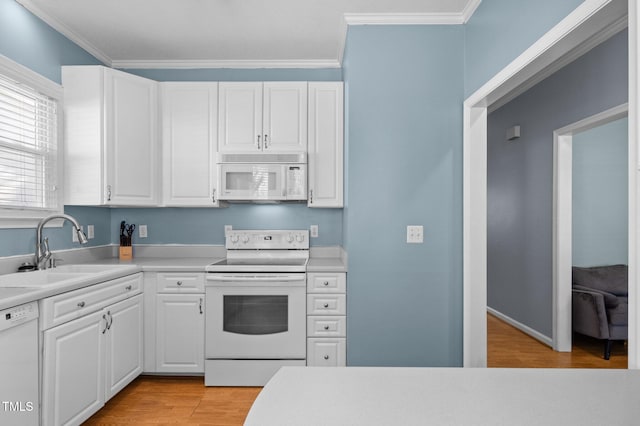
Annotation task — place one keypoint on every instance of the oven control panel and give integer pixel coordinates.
(272, 240)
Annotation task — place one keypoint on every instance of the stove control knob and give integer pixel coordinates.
(245, 239)
(300, 238)
(289, 238)
(234, 238)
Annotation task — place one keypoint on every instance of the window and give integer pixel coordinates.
(29, 149)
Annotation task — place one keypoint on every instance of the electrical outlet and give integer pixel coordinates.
(415, 234)
(227, 228)
(74, 234)
(142, 231)
(90, 232)
(314, 231)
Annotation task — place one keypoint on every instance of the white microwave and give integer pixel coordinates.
(262, 177)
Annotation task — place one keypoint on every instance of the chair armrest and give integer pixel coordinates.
(589, 315)
(610, 299)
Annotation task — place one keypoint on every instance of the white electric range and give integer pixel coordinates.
(256, 307)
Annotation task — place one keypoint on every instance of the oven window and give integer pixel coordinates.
(256, 314)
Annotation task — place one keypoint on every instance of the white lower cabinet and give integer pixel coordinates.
(89, 359)
(326, 319)
(174, 327)
(180, 333)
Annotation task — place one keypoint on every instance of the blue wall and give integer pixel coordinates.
(600, 197)
(500, 30)
(206, 226)
(404, 150)
(520, 178)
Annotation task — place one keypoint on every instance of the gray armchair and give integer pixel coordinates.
(599, 303)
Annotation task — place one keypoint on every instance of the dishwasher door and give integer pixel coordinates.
(19, 394)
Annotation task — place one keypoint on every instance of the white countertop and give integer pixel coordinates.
(314, 396)
(10, 297)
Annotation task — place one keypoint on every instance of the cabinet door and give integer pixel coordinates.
(131, 140)
(326, 144)
(73, 370)
(285, 116)
(180, 333)
(240, 117)
(189, 143)
(123, 344)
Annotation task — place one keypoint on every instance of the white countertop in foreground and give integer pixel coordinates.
(314, 396)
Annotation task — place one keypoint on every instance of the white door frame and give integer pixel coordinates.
(590, 19)
(562, 219)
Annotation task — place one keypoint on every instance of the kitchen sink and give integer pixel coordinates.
(37, 278)
(84, 269)
(66, 274)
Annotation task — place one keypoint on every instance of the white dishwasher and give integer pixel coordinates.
(19, 394)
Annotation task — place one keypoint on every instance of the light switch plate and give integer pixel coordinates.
(90, 232)
(142, 231)
(314, 231)
(415, 234)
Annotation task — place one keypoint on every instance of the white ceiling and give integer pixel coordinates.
(230, 33)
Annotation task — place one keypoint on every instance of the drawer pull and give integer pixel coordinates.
(326, 357)
(326, 305)
(179, 282)
(326, 283)
(326, 327)
(81, 304)
(128, 288)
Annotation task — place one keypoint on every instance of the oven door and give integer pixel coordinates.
(255, 316)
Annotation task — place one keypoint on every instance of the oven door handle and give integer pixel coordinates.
(254, 278)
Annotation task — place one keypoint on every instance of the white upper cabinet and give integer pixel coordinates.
(326, 144)
(111, 141)
(189, 144)
(262, 117)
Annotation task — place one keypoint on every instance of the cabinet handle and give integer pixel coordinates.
(81, 304)
(326, 305)
(326, 357)
(201, 306)
(179, 282)
(128, 288)
(326, 327)
(213, 195)
(326, 283)
(311, 196)
(110, 320)
(258, 143)
(266, 143)
(106, 323)
(108, 192)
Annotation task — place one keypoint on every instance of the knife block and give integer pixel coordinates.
(126, 253)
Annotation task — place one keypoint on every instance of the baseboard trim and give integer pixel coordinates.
(524, 328)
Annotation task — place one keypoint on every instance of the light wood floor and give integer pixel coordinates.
(185, 400)
(509, 347)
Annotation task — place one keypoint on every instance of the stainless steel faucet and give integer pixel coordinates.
(42, 245)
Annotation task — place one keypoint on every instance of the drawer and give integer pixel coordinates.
(64, 307)
(323, 352)
(176, 282)
(326, 304)
(327, 326)
(326, 282)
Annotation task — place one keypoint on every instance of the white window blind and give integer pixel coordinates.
(28, 148)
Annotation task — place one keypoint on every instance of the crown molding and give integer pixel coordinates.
(403, 18)
(241, 64)
(66, 31)
(469, 10)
